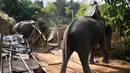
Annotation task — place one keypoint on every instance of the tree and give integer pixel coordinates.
(29, 11)
(119, 10)
(1, 5)
(12, 7)
(71, 6)
(82, 10)
(68, 10)
(40, 3)
(60, 4)
(20, 9)
(50, 12)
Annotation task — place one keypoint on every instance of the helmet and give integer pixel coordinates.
(93, 3)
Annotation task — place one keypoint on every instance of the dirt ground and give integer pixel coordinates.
(52, 63)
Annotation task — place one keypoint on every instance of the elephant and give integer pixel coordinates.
(26, 29)
(82, 35)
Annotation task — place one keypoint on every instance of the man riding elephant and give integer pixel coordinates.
(43, 28)
(94, 12)
(35, 16)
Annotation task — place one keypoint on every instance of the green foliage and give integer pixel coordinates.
(104, 10)
(34, 6)
(119, 9)
(59, 11)
(40, 3)
(51, 8)
(71, 8)
(118, 12)
(68, 10)
(12, 7)
(29, 11)
(25, 2)
(50, 12)
(1, 5)
(20, 9)
(60, 4)
(82, 10)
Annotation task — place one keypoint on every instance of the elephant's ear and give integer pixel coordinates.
(41, 22)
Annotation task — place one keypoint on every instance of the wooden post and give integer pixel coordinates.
(1, 46)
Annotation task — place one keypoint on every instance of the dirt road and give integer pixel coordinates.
(52, 63)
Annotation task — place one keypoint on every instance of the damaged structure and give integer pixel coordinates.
(17, 56)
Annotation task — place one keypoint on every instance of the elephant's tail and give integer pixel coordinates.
(67, 33)
(67, 38)
(67, 50)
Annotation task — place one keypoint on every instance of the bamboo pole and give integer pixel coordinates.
(38, 63)
(24, 63)
(21, 58)
(1, 45)
(57, 32)
(10, 65)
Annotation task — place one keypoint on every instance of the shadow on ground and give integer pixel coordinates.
(118, 69)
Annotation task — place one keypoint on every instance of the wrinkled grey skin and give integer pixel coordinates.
(24, 27)
(82, 34)
(108, 34)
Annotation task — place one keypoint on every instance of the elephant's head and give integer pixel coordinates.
(44, 28)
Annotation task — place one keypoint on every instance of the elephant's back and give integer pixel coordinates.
(84, 27)
(15, 27)
(25, 24)
(24, 27)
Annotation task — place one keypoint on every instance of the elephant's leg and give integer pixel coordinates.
(91, 56)
(83, 53)
(103, 46)
(66, 55)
